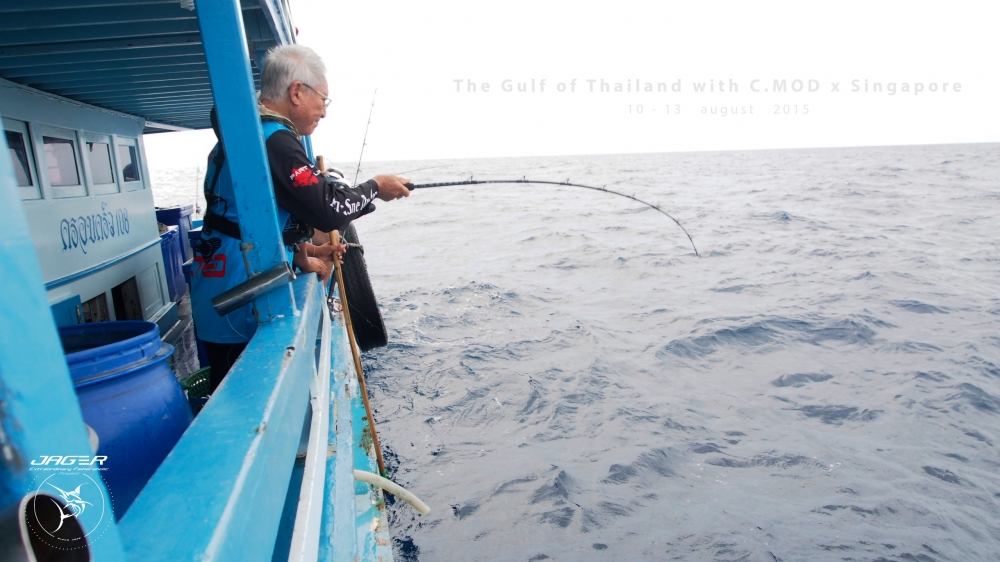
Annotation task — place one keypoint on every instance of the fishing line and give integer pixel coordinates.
(421, 169)
(563, 183)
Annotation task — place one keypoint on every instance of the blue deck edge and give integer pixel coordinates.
(39, 412)
(220, 492)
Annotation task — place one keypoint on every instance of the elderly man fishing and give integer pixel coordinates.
(293, 99)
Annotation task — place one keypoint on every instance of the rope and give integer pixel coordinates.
(335, 238)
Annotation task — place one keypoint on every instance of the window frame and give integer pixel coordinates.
(132, 142)
(39, 132)
(100, 188)
(33, 191)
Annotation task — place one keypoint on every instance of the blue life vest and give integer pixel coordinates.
(220, 265)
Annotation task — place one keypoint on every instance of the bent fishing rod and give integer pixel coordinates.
(605, 189)
(470, 181)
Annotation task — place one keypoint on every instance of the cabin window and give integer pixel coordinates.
(101, 169)
(60, 160)
(129, 165)
(60, 165)
(21, 158)
(99, 155)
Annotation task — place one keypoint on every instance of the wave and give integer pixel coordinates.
(918, 307)
(773, 331)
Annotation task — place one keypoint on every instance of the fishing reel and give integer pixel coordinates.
(340, 182)
(336, 174)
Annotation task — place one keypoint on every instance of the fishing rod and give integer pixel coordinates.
(197, 185)
(364, 141)
(605, 189)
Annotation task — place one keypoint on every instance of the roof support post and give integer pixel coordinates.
(225, 46)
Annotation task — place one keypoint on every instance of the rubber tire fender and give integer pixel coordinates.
(369, 329)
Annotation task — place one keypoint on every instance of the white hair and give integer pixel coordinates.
(286, 64)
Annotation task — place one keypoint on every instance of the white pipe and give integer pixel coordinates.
(394, 489)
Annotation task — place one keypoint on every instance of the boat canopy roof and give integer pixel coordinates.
(139, 57)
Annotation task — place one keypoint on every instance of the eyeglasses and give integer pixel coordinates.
(326, 100)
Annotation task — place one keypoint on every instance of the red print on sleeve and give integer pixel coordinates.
(303, 176)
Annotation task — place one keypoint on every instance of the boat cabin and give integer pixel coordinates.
(82, 180)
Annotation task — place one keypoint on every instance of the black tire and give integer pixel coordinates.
(369, 330)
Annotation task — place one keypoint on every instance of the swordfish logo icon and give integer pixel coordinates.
(69, 510)
(75, 504)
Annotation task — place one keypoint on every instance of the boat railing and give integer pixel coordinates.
(225, 489)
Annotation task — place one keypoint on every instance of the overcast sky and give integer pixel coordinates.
(460, 79)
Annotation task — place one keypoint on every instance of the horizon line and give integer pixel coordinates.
(682, 151)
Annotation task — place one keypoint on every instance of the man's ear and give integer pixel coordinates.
(294, 94)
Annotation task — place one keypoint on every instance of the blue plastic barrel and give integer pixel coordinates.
(180, 217)
(129, 397)
(170, 246)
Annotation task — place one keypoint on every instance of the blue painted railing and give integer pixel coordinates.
(220, 493)
(39, 413)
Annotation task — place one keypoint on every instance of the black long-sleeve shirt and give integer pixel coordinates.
(310, 196)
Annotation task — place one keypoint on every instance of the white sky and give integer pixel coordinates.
(413, 52)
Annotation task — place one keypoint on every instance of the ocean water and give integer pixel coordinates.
(566, 380)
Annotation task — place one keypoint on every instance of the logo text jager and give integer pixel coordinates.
(69, 460)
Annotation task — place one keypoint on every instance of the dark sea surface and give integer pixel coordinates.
(566, 380)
